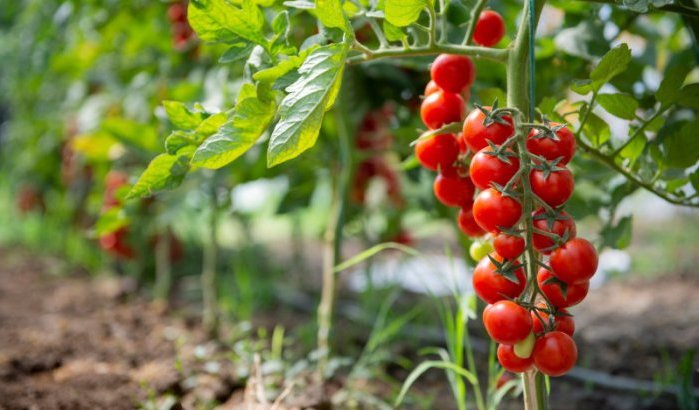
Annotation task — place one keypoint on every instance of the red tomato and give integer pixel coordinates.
(453, 73)
(509, 246)
(563, 322)
(551, 149)
(511, 362)
(554, 190)
(486, 168)
(489, 30)
(553, 292)
(112, 182)
(507, 322)
(476, 135)
(575, 262)
(431, 88)
(456, 192)
(555, 353)
(177, 12)
(439, 151)
(559, 225)
(116, 243)
(441, 108)
(491, 286)
(493, 210)
(29, 198)
(468, 225)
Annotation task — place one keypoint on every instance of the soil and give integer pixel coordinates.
(75, 342)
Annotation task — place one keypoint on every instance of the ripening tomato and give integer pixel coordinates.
(490, 28)
(492, 286)
(467, 224)
(507, 322)
(456, 192)
(453, 73)
(441, 108)
(554, 292)
(555, 353)
(560, 224)
(439, 151)
(575, 262)
(540, 144)
(487, 168)
(555, 189)
(177, 13)
(431, 88)
(508, 246)
(563, 321)
(511, 362)
(476, 135)
(492, 210)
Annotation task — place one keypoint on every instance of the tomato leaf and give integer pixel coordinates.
(283, 67)
(239, 50)
(682, 146)
(181, 116)
(670, 89)
(403, 13)
(164, 172)
(331, 14)
(221, 21)
(302, 110)
(249, 120)
(620, 105)
(615, 62)
(689, 96)
(618, 236)
(111, 220)
(392, 32)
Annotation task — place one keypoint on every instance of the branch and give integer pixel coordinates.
(493, 54)
(475, 13)
(673, 8)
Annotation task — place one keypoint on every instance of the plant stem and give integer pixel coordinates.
(675, 8)
(475, 13)
(208, 272)
(493, 54)
(519, 99)
(163, 267)
(332, 249)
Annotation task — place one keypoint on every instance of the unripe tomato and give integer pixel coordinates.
(511, 362)
(551, 149)
(486, 168)
(507, 322)
(441, 108)
(509, 246)
(562, 224)
(575, 262)
(489, 30)
(439, 151)
(479, 250)
(553, 292)
(476, 135)
(563, 322)
(555, 189)
(467, 224)
(493, 210)
(453, 73)
(491, 286)
(456, 192)
(555, 354)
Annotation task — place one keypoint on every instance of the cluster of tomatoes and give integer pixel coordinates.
(182, 33)
(484, 161)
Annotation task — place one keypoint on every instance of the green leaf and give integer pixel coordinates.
(689, 96)
(301, 112)
(635, 147)
(368, 253)
(164, 172)
(694, 179)
(300, 4)
(180, 139)
(392, 32)
(143, 136)
(251, 117)
(239, 50)
(583, 40)
(644, 6)
(433, 364)
(619, 235)
(110, 221)
(283, 67)
(182, 116)
(682, 146)
(331, 14)
(620, 105)
(403, 13)
(615, 62)
(221, 21)
(670, 89)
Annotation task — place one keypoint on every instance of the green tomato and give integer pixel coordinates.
(480, 249)
(523, 348)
